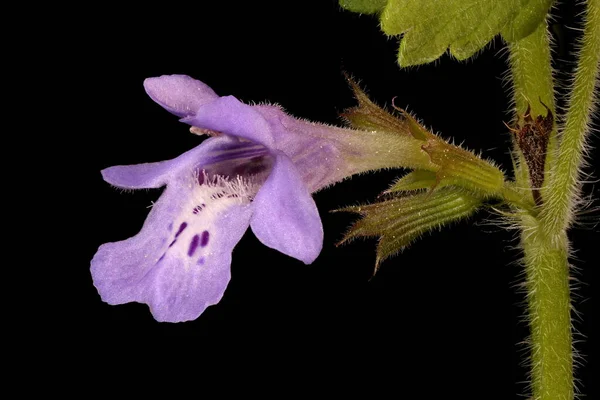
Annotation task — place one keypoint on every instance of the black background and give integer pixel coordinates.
(441, 319)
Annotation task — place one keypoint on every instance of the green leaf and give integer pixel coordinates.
(401, 220)
(430, 27)
(363, 6)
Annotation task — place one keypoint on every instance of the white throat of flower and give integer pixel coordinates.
(192, 237)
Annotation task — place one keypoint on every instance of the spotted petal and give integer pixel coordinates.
(182, 290)
(179, 263)
(285, 215)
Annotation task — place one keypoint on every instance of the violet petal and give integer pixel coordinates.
(180, 291)
(179, 94)
(154, 175)
(285, 215)
(145, 270)
(120, 270)
(228, 115)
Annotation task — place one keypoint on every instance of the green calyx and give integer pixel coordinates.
(447, 183)
(415, 180)
(400, 220)
(445, 163)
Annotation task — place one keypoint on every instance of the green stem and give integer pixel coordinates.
(563, 185)
(531, 68)
(532, 72)
(516, 198)
(548, 301)
(545, 257)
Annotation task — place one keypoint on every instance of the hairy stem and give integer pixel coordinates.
(545, 257)
(532, 73)
(548, 301)
(563, 184)
(533, 84)
(516, 198)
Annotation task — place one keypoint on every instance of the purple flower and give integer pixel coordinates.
(258, 170)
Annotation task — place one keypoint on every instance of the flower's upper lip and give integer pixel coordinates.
(198, 105)
(230, 116)
(179, 94)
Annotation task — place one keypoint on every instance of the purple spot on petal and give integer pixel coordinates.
(170, 227)
(204, 240)
(161, 257)
(198, 208)
(193, 245)
(218, 195)
(181, 228)
(201, 261)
